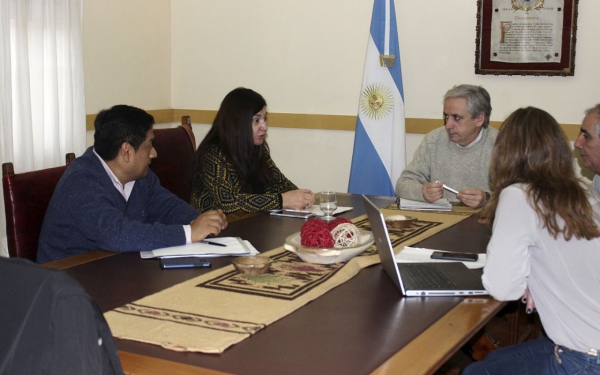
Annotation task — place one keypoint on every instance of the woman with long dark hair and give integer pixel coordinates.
(233, 169)
(545, 238)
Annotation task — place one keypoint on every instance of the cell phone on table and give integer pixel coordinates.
(447, 255)
(293, 213)
(183, 262)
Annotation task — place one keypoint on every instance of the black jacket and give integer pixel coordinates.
(49, 325)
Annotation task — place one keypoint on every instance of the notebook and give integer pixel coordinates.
(439, 205)
(226, 246)
(421, 279)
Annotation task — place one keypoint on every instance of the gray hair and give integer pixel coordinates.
(595, 110)
(478, 100)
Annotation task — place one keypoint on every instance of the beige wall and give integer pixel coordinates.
(127, 53)
(307, 57)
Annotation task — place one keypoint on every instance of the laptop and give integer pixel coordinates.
(421, 279)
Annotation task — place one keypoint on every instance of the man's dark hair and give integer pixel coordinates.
(121, 123)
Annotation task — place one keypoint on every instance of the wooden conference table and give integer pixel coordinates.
(363, 326)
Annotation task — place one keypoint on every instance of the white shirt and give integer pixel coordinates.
(472, 143)
(126, 189)
(563, 276)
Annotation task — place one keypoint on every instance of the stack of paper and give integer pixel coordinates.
(419, 255)
(439, 205)
(213, 247)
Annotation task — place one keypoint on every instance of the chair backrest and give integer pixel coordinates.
(26, 198)
(175, 148)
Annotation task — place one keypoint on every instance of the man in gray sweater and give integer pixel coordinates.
(457, 154)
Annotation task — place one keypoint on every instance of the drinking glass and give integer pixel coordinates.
(328, 204)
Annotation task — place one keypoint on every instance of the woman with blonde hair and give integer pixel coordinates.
(545, 238)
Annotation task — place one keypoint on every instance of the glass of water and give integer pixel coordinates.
(328, 204)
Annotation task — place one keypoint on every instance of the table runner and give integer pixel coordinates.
(211, 312)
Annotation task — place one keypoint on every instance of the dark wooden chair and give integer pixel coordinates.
(26, 198)
(175, 148)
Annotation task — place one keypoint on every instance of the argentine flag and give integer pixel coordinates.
(379, 147)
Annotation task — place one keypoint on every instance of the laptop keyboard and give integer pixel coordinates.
(428, 276)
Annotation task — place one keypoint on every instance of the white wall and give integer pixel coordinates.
(307, 57)
(127, 53)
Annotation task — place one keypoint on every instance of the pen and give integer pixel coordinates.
(214, 243)
(446, 187)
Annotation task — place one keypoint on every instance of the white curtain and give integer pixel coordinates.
(42, 101)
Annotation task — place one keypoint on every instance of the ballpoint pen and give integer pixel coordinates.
(446, 187)
(213, 243)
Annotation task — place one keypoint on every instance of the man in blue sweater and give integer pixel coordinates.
(109, 199)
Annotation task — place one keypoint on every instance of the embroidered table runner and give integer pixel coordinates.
(216, 310)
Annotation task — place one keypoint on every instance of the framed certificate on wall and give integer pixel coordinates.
(526, 37)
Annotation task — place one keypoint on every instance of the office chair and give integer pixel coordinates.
(26, 198)
(175, 148)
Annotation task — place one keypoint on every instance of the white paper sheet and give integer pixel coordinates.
(235, 246)
(439, 205)
(416, 254)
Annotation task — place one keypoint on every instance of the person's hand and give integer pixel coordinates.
(527, 299)
(432, 191)
(210, 222)
(300, 199)
(472, 197)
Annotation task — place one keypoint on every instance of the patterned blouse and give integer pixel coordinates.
(219, 187)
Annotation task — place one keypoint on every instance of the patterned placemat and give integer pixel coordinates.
(216, 310)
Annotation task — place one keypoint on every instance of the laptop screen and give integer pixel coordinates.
(383, 243)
